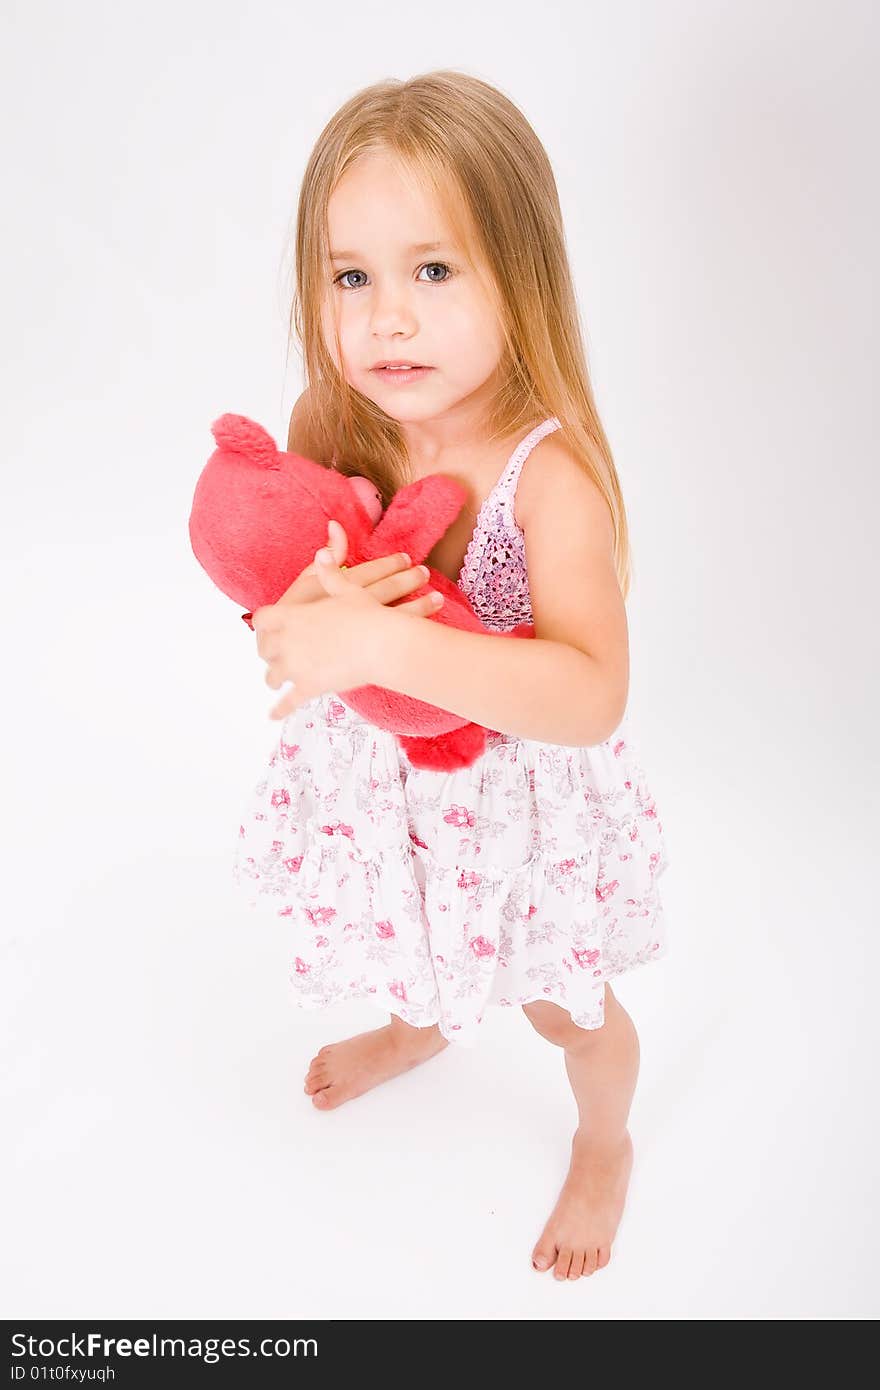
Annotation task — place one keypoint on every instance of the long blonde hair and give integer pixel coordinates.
(473, 150)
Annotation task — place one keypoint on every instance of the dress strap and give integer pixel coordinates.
(500, 502)
(507, 483)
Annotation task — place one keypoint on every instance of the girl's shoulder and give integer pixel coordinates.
(553, 478)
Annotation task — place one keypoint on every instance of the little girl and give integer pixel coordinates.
(439, 326)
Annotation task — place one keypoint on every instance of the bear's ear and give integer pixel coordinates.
(240, 435)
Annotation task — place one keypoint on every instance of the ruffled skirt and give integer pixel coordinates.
(531, 874)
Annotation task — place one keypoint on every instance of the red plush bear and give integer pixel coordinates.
(259, 515)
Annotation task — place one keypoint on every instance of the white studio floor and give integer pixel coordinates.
(163, 1161)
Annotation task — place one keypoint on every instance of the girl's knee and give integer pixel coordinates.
(551, 1021)
(555, 1023)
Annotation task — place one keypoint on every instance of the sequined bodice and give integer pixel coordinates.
(493, 573)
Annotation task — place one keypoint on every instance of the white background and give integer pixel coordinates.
(718, 183)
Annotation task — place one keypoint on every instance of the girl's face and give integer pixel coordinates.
(393, 301)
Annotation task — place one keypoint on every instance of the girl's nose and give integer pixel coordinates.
(391, 313)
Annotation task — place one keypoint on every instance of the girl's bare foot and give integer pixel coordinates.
(340, 1071)
(577, 1237)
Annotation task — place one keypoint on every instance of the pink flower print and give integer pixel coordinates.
(460, 816)
(566, 865)
(384, 930)
(335, 711)
(337, 828)
(321, 941)
(618, 747)
(397, 989)
(416, 841)
(241, 832)
(285, 911)
(288, 750)
(634, 833)
(653, 860)
(440, 959)
(301, 967)
(481, 947)
(628, 786)
(468, 879)
(293, 866)
(277, 846)
(585, 958)
(319, 915)
(280, 797)
(604, 890)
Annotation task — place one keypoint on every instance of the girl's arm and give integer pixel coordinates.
(569, 684)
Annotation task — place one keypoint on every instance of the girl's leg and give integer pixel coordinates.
(602, 1066)
(340, 1071)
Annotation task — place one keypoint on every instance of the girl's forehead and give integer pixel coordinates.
(381, 196)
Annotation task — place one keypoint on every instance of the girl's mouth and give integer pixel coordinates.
(401, 375)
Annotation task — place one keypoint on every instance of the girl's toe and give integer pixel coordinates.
(576, 1268)
(543, 1256)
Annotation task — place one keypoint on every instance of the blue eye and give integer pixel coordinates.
(442, 264)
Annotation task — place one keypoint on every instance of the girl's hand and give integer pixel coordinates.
(307, 587)
(328, 643)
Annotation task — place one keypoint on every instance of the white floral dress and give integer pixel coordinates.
(532, 874)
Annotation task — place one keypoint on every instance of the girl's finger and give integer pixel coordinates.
(332, 578)
(286, 704)
(428, 603)
(393, 586)
(264, 618)
(274, 679)
(337, 540)
(369, 572)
